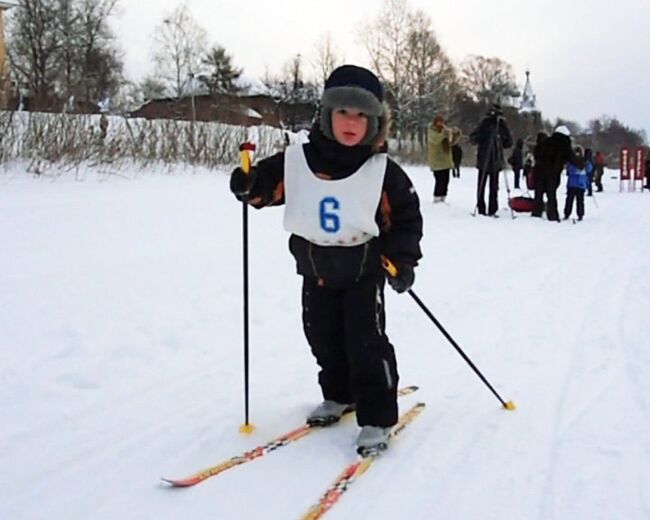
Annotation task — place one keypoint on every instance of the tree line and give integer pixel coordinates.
(63, 48)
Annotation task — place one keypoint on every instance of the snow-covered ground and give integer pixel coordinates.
(121, 359)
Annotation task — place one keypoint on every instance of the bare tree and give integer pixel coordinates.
(151, 88)
(431, 78)
(387, 41)
(179, 45)
(61, 48)
(327, 57)
(33, 46)
(99, 61)
(295, 96)
(488, 80)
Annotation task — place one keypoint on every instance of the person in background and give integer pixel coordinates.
(599, 165)
(552, 154)
(516, 160)
(457, 156)
(440, 140)
(577, 183)
(647, 170)
(533, 158)
(347, 204)
(491, 137)
(589, 167)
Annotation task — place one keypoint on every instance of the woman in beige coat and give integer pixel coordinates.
(440, 139)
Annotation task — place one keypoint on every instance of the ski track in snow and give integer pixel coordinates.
(121, 359)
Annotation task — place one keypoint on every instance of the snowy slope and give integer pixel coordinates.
(121, 359)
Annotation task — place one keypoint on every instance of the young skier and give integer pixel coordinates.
(577, 183)
(346, 204)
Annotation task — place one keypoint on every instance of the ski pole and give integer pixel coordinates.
(245, 150)
(392, 271)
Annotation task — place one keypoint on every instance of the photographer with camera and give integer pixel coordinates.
(491, 136)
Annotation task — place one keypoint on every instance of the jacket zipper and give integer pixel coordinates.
(311, 259)
(363, 259)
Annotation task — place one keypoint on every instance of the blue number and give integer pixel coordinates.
(329, 221)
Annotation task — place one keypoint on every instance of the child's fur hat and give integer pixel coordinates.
(350, 86)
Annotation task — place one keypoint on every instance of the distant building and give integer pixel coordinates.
(250, 104)
(528, 98)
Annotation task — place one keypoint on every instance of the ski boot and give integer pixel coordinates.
(328, 412)
(372, 440)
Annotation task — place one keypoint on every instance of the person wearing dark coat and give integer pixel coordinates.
(552, 155)
(599, 163)
(647, 171)
(347, 205)
(516, 160)
(457, 156)
(589, 158)
(491, 137)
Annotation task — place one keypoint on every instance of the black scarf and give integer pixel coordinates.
(332, 158)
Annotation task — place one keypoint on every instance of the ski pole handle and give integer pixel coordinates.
(388, 266)
(245, 150)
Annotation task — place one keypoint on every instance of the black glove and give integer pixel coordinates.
(404, 279)
(241, 183)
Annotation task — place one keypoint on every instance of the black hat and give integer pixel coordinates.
(350, 86)
(495, 110)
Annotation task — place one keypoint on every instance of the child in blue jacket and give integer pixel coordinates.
(577, 183)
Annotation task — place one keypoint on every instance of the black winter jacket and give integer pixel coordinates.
(398, 213)
(488, 156)
(552, 156)
(517, 157)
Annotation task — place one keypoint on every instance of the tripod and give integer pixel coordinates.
(494, 146)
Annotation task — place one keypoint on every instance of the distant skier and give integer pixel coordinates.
(577, 183)
(346, 204)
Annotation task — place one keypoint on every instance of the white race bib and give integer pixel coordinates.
(332, 212)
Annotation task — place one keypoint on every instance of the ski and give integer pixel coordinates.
(259, 451)
(353, 471)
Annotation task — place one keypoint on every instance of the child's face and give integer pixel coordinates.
(349, 126)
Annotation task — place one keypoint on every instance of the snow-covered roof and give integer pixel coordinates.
(252, 113)
(245, 85)
(249, 86)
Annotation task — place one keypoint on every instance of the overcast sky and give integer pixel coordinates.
(586, 57)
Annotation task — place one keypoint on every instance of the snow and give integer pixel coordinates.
(121, 359)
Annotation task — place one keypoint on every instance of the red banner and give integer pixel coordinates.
(626, 157)
(640, 172)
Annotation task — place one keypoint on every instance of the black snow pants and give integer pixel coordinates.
(548, 187)
(579, 196)
(345, 329)
(490, 178)
(441, 185)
